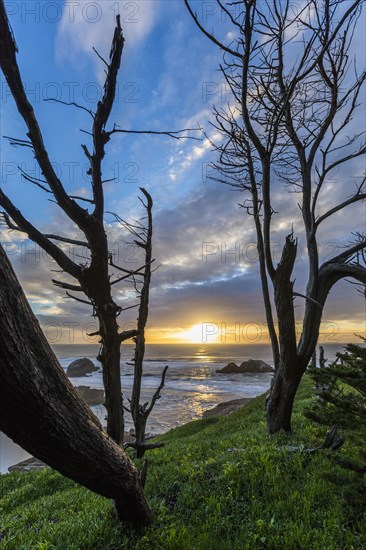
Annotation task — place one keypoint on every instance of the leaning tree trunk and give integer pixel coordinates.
(41, 411)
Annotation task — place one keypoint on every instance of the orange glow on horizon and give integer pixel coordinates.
(205, 334)
(211, 333)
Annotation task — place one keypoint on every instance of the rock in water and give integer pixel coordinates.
(91, 396)
(80, 367)
(229, 368)
(252, 365)
(31, 464)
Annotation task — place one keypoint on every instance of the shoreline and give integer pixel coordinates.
(221, 409)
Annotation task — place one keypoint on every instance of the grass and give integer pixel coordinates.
(218, 484)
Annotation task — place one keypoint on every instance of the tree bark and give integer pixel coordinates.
(41, 411)
(138, 412)
(289, 370)
(94, 279)
(110, 357)
(281, 399)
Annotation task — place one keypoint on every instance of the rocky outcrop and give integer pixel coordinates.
(228, 407)
(250, 366)
(30, 465)
(80, 367)
(91, 396)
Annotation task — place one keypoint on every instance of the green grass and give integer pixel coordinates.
(218, 484)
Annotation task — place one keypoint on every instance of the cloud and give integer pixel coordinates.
(86, 24)
(187, 290)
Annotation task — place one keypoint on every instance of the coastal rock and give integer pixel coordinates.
(92, 396)
(31, 464)
(252, 365)
(80, 367)
(228, 407)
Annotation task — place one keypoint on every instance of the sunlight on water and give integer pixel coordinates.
(203, 354)
(192, 383)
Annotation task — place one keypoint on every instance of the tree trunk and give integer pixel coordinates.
(140, 433)
(97, 286)
(41, 411)
(281, 400)
(288, 372)
(110, 357)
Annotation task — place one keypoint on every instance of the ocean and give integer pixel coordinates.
(192, 384)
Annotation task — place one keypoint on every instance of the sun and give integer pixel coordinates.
(193, 335)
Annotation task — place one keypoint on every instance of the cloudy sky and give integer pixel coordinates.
(207, 286)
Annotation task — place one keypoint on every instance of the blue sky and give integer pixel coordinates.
(168, 81)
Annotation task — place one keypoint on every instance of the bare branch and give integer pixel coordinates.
(157, 395)
(129, 273)
(210, 36)
(66, 240)
(24, 225)
(127, 335)
(173, 134)
(100, 136)
(101, 58)
(356, 198)
(10, 69)
(79, 299)
(130, 307)
(307, 298)
(346, 254)
(67, 286)
(16, 142)
(70, 103)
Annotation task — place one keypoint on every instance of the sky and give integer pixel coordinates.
(206, 289)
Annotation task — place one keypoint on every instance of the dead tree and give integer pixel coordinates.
(142, 238)
(41, 411)
(93, 279)
(293, 100)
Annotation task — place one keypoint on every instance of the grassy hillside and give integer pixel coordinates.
(219, 484)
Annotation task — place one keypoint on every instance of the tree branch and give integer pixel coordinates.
(9, 66)
(70, 103)
(79, 299)
(129, 273)
(127, 334)
(340, 206)
(100, 136)
(66, 240)
(39, 238)
(348, 253)
(210, 36)
(67, 286)
(156, 395)
(173, 134)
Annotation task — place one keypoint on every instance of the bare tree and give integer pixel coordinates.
(92, 279)
(41, 410)
(295, 92)
(142, 238)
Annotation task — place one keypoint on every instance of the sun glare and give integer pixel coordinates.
(194, 335)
